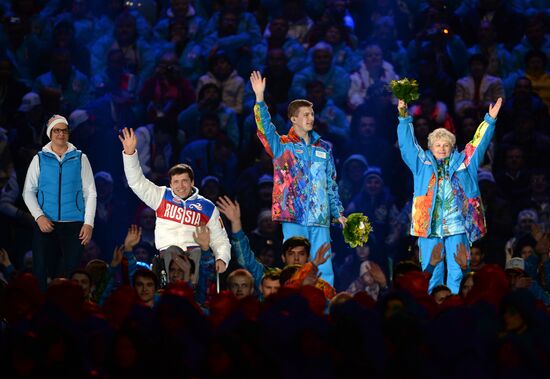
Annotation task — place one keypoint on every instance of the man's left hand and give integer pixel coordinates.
(85, 234)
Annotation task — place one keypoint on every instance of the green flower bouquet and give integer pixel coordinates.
(406, 90)
(357, 230)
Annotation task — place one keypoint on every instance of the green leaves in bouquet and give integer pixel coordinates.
(405, 89)
(357, 230)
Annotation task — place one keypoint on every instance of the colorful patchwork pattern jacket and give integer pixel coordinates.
(463, 165)
(305, 191)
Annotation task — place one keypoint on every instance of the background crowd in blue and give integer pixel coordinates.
(177, 72)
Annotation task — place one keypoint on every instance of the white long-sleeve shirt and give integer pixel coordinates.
(177, 218)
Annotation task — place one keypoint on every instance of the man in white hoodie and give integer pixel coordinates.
(60, 193)
(182, 214)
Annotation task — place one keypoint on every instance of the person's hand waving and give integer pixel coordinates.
(129, 140)
(493, 109)
(258, 85)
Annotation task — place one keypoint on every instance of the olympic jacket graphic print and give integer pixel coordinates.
(304, 177)
(177, 218)
(463, 165)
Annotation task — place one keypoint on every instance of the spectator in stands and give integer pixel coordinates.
(351, 177)
(192, 61)
(221, 72)
(138, 54)
(335, 125)
(333, 77)
(373, 68)
(278, 39)
(167, 92)
(70, 85)
(499, 61)
(209, 101)
(185, 11)
(241, 283)
(64, 37)
(478, 89)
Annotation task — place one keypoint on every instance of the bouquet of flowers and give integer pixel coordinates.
(406, 90)
(357, 230)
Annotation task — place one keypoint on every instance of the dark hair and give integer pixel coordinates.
(208, 86)
(295, 106)
(181, 168)
(315, 84)
(296, 241)
(478, 58)
(83, 272)
(440, 288)
(536, 54)
(144, 273)
(527, 240)
(287, 273)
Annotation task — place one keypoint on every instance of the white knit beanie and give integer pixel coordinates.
(58, 120)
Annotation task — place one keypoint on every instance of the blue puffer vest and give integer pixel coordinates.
(60, 186)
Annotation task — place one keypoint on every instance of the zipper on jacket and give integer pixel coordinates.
(59, 193)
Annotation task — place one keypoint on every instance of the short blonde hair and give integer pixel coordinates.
(441, 133)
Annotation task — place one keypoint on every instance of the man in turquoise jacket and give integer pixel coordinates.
(305, 192)
(447, 204)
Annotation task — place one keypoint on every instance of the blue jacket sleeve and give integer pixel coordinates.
(267, 133)
(132, 265)
(246, 258)
(336, 208)
(411, 152)
(207, 274)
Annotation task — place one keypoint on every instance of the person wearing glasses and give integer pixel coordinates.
(60, 193)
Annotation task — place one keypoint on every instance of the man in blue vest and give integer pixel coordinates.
(61, 196)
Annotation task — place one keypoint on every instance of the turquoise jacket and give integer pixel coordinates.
(60, 186)
(305, 191)
(463, 165)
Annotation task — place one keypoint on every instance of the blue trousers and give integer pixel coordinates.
(317, 235)
(454, 273)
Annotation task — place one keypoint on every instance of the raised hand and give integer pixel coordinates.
(493, 109)
(462, 256)
(232, 211)
(437, 254)
(321, 256)
(182, 262)
(201, 235)
(378, 275)
(4, 258)
(85, 234)
(402, 108)
(258, 85)
(129, 140)
(118, 253)
(132, 237)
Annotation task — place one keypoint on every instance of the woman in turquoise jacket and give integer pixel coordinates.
(447, 204)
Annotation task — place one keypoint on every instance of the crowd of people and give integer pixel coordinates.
(160, 204)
